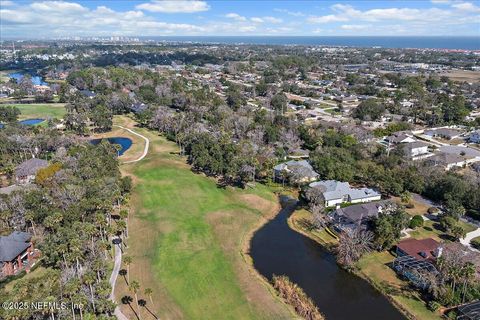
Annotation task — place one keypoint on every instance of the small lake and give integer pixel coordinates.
(125, 143)
(27, 122)
(339, 295)
(36, 79)
(31, 122)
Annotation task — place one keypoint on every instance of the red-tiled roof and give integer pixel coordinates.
(419, 249)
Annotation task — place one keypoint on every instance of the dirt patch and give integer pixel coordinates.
(462, 75)
(227, 225)
(267, 208)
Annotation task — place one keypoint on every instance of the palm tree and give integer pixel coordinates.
(128, 300)
(89, 279)
(135, 287)
(468, 273)
(127, 260)
(123, 273)
(148, 292)
(124, 215)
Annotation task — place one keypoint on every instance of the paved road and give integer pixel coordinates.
(113, 280)
(466, 241)
(147, 144)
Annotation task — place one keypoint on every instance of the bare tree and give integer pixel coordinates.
(354, 243)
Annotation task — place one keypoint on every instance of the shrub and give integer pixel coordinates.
(296, 297)
(415, 222)
(476, 242)
(434, 305)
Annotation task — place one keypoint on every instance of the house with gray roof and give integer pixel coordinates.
(474, 137)
(444, 133)
(400, 137)
(295, 171)
(27, 170)
(16, 253)
(449, 156)
(337, 192)
(357, 216)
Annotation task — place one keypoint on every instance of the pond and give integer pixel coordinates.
(36, 79)
(31, 122)
(27, 122)
(276, 249)
(125, 143)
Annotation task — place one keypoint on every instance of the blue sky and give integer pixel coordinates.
(47, 19)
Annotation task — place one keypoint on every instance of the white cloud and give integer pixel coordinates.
(174, 6)
(466, 6)
(440, 1)
(326, 19)
(291, 13)
(256, 20)
(344, 12)
(5, 3)
(235, 16)
(272, 20)
(355, 27)
(66, 18)
(247, 28)
(266, 19)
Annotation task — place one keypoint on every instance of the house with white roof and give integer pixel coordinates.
(337, 192)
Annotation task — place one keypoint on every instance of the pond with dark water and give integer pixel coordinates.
(276, 249)
(124, 143)
(36, 79)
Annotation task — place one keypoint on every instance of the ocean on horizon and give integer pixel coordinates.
(424, 42)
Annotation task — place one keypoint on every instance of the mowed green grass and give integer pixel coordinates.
(188, 259)
(40, 110)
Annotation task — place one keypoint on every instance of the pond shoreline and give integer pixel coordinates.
(278, 249)
(358, 273)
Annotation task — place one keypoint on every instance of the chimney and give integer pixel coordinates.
(438, 252)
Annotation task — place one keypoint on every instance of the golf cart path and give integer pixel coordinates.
(147, 144)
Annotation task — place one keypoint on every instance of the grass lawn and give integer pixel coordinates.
(41, 110)
(186, 239)
(301, 221)
(374, 266)
(36, 273)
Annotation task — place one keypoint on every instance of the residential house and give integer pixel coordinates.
(337, 192)
(474, 137)
(400, 137)
(27, 170)
(423, 249)
(446, 160)
(88, 94)
(357, 216)
(138, 107)
(416, 150)
(470, 155)
(16, 253)
(296, 171)
(415, 259)
(445, 133)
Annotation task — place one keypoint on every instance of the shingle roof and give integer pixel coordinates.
(460, 150)
(419, 249)
(13, 245)
(357, 213)
(336, 190)
(30, 167)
